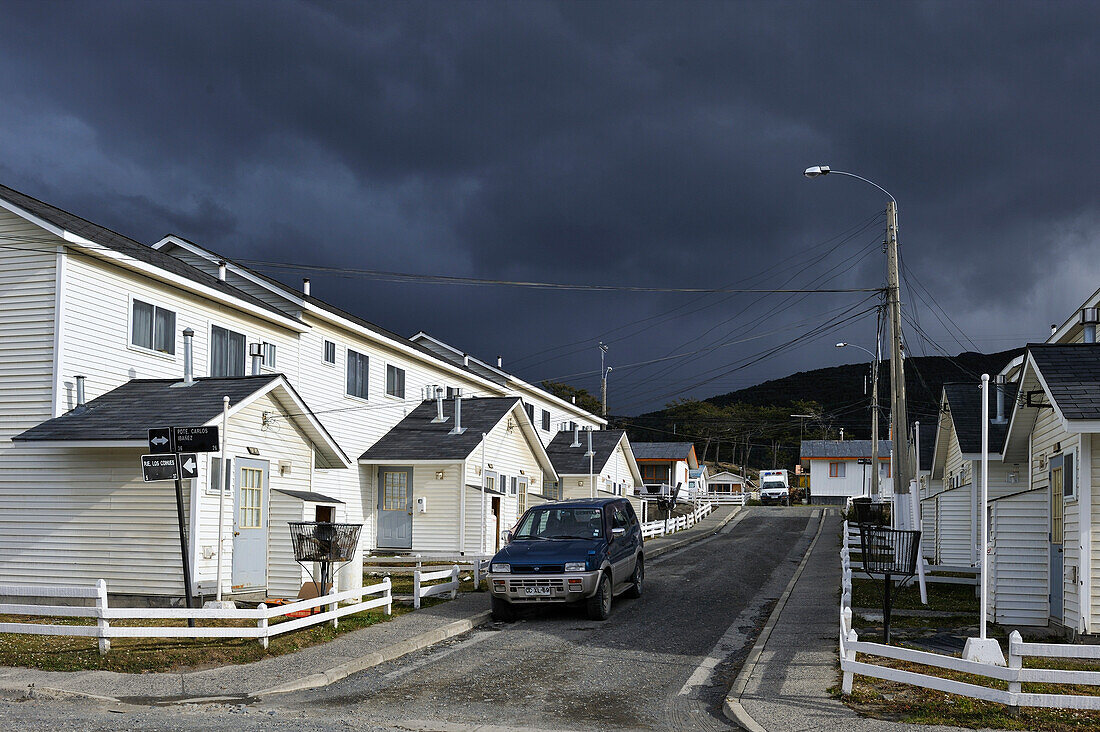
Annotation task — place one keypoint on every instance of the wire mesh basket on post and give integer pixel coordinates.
(888, 552)
(325, 543)
(871, 513)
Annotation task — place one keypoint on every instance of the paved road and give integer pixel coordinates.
(660, 662)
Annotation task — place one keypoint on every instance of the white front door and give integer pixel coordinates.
(250, 525)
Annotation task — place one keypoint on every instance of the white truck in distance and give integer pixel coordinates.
(775, 487)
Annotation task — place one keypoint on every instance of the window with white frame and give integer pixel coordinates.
(228, 351)
(395, 381)
(330, 353)
(546, 420)
(269, 355)
(358, 374)
(153, 327)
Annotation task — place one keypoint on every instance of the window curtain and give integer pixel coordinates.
(143, 325)
(164, 331)
(237, 352)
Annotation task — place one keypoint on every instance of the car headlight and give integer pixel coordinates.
(575, 566)
(501, 568)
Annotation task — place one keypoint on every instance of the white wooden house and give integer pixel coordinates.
(724, 482)
(610, 469)
(79, 299)
(664, 465)
(952, 529)
(841, 469)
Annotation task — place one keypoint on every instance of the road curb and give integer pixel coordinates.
(684, 542)
(731, 706)
(389, 653)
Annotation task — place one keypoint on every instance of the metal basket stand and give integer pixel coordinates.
(888, 552)
(324, 543)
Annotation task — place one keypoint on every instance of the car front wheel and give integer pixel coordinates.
(599, 605)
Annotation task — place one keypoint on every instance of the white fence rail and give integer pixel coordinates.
(420, 590)
(1014, 674)
(477, 564)
(103, 630)
(678, 523)
(727, 499)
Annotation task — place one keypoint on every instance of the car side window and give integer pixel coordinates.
(630, 515)
(619, 518)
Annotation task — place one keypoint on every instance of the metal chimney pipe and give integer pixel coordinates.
(576, 436)
(188, 361)
(305, 286)
(256, 351)
(465, 359)
(79, 390)
(500, 362)
(221, 270)
(1000, 419)
(1089, 318)
(439, 418)
(458, 429)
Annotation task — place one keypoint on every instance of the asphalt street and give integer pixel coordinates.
(661, 662)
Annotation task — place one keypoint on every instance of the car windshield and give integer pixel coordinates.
(560, 523)
(771, 486)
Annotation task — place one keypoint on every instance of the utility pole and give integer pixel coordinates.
(603, 378)
(874, 412)
(897, 365)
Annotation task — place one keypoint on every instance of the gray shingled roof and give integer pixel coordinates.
(661, 450)
(308, 496)
(128, 412)
(1072, 373)
(965, 404)
(124, 245)
(843, 449)
(574, 460)
(416, 437)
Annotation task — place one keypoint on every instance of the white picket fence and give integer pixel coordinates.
(727, 499)
(1014, 674)
(103, 630)
(679, 523)
(973, 573)
(420, 590)
(476, 564)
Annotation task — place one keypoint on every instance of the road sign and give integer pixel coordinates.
(196, 439)
(158, 467)
(189, 466)
(160, 440)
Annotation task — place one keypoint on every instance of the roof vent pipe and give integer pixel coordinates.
(576, 436)
(439, 418)
(188, 360)
(305, 286)
(465, 359)
(1053, 328)
(256, 351)
(1089, 318)
(500, 362)
(1000, 400)
(221, 270)
(79, 391)
(591, 452)
(458, 429)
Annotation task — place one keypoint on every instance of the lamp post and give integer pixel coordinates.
(898, 415)
(874, 414)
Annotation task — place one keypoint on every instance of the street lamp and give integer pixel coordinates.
(897, 367)
(874, 414)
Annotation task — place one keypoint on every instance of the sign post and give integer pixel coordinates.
(166, 462)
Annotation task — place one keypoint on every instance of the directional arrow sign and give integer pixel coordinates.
(189, 466)
(196, 439)
(158, 467)
(160, 440)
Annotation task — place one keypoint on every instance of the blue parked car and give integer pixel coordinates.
(578, 551)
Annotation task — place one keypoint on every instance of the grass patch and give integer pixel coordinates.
(905, 703)
(950, 597)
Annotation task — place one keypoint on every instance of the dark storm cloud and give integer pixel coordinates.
(638, 143)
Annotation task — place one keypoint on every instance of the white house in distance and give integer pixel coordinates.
(77, 299)
(609, 470)
(665, 465)
(726, 482)
(840, 469)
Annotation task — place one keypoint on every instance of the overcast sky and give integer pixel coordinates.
(645, 144)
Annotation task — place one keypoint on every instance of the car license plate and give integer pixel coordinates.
(529, 591)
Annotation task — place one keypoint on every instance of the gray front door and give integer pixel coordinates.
(1056, 507)
(395, 508)
(250, 525)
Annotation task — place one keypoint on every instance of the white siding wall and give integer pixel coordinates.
(1018, 533)
(953, 542)
(854, 483)
(1044, 436)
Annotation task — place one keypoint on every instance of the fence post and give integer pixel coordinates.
(389, 595)
(101, 620)
(454, 579)
(416, 589)
(262, 625)
(849, 655)
(333, 608)
(477, 573)
(1015, 661)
